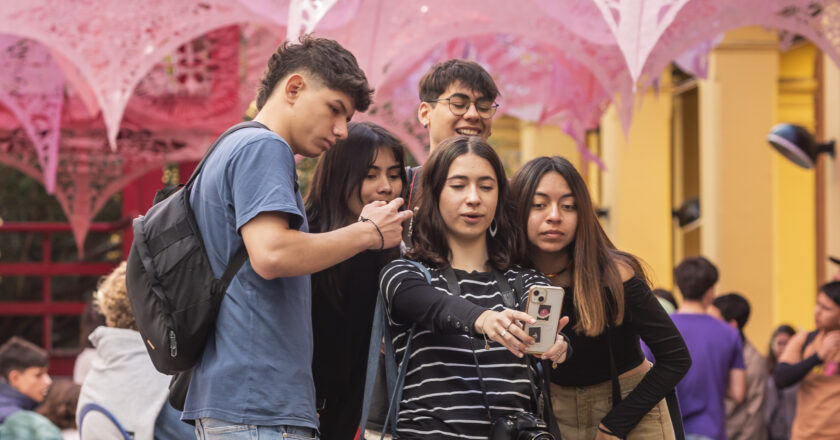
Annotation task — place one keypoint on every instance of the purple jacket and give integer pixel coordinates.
(12, 401)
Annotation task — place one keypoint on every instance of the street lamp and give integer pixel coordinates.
(798, 145)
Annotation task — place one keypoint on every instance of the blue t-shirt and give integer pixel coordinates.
(715, 348)
(257, 366)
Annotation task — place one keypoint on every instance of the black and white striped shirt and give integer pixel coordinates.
(442, 395)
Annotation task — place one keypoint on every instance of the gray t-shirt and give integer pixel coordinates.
(256, 368)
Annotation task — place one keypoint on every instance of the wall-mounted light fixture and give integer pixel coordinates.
(798, 145)
(688, 213)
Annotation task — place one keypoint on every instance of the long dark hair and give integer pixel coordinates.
(598, 288)
(338, 177)
(772, 360)
(428, 242)
(340, 172)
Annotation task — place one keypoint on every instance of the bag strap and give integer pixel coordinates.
(508, 298)
(412, 174)
(616, 386)
(241, 255)
(235, 263)
(509, 301)
(373, 362)
(455, 289)
(239, 126)
(394, 380)
(676, 415)
(545, 389)
(670, 400)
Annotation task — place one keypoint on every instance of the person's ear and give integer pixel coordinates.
(14, 376)
(293, 87)
(423, 113)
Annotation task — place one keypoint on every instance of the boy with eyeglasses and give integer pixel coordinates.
(457, 97)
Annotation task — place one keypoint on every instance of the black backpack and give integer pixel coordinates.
(171, 286)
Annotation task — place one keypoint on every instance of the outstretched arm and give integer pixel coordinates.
(278, 250)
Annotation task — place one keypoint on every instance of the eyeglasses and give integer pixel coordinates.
(459, 105)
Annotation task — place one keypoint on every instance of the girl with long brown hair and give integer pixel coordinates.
(610, 306)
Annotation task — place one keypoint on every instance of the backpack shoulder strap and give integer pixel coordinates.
(394, 385)
(241, 254)
(239, 126)
(413, 176)
(508, 297)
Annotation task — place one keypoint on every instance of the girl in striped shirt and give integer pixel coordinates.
(463, 234)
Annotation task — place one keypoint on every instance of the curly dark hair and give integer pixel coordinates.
(470, 74)
(324, 59)
(429, 243)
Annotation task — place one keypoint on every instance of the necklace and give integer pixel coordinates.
(552, 275)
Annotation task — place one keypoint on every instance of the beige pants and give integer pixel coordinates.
(580, 410)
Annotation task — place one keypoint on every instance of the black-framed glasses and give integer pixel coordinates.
(459, 105)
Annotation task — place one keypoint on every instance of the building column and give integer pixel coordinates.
(636, 186)
(831, 166)
(757, 209)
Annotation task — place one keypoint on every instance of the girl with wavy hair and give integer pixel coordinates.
(607, 390)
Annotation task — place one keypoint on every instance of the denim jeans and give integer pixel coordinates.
(169, 426)
(211, 429)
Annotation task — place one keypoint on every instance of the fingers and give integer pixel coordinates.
(521, 316)
(388, 220)
(506, 329)
(396, 203)
(563, 321)
(404, 215)
(557, 352)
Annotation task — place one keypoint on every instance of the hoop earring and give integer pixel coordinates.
(493, 229)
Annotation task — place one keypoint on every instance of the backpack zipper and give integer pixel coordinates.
(173, 344)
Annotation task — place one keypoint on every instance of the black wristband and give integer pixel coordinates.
(381, 237)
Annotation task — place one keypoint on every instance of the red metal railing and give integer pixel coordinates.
(61, 361)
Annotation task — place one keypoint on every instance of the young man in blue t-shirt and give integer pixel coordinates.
(717, 360)
(255, 375)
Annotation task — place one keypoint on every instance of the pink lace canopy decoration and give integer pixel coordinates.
(96, 92)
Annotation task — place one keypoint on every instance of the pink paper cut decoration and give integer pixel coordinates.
(31, 87)
(637, 26)
(114, 42)
(695, 61)
(304, 15)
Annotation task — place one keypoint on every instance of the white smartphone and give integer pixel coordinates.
(544, 304)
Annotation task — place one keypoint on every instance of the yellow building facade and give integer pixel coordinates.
(766, 223)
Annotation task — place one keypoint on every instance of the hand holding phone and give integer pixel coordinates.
(544, 304)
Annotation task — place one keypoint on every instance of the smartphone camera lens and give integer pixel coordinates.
(538, 296)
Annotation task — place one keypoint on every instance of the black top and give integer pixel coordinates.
(342, 317)
(442, 395)
(645, 318)
(787, 374)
